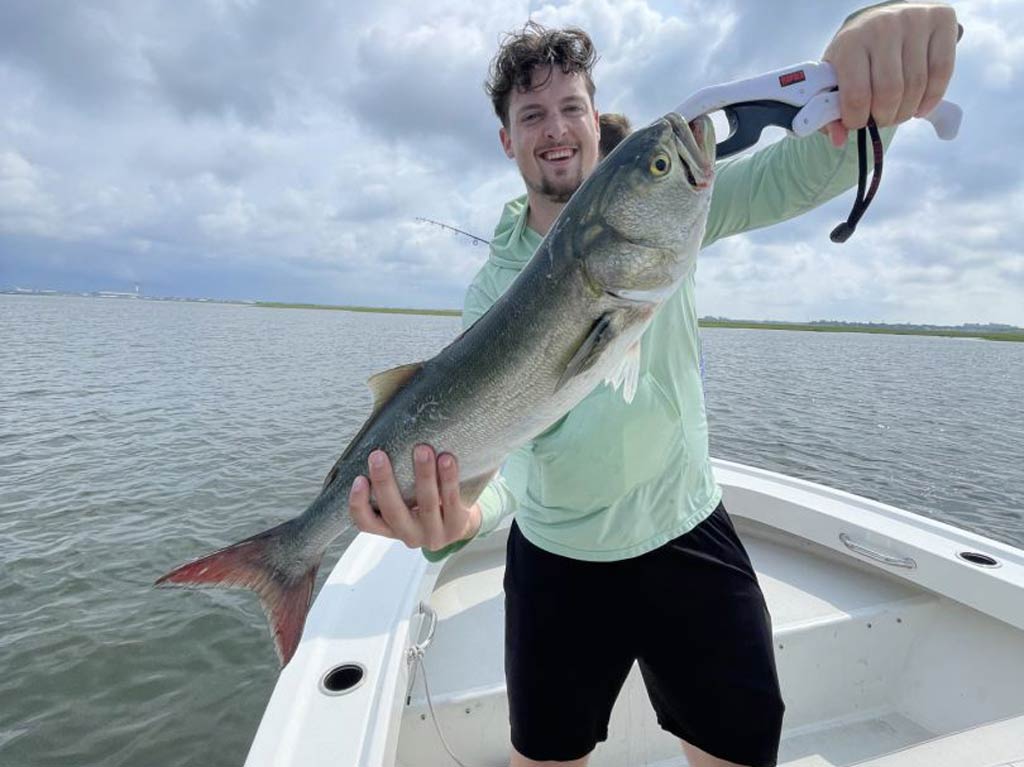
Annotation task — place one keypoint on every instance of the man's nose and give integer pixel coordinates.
(555, 126)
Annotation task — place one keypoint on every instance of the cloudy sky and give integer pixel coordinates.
(283, 151)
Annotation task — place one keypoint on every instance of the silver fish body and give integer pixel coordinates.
(572, 319)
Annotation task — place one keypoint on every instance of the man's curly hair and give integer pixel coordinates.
(535, 46)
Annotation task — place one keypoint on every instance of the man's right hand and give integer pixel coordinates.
(439, 517)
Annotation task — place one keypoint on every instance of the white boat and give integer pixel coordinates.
(899, 642)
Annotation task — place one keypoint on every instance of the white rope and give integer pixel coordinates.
(416, 656)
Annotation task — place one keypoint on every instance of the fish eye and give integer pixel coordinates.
(660, 165)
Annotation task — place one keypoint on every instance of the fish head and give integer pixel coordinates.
(644, 208)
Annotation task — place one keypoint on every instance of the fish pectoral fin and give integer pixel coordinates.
(383, 385)
(594, 345)
(628, 374)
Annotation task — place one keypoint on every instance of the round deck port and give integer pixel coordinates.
(342, 679)
(976, 558)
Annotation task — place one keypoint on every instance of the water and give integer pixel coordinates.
(136, 435)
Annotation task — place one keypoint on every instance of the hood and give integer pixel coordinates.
(513, 243)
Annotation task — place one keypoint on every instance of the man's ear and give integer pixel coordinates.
(506, 143)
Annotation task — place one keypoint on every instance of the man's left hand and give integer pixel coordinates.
(892, 63)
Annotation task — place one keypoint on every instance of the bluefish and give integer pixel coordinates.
(572, 320)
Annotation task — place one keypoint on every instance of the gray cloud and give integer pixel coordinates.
(248, 60)
(83, 53)
(400, 77)
(262, 150)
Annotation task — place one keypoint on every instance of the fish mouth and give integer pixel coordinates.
(695, 143)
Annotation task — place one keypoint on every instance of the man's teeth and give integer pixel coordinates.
(557, 154)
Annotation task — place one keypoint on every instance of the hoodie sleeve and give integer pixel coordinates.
(497, 500)
(790, 177)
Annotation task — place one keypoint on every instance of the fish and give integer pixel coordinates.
(572, 320)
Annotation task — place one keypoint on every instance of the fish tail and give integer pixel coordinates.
(269, 564)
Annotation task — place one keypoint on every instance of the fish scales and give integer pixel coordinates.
(572, 320)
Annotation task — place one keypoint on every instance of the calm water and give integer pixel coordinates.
(137, 435)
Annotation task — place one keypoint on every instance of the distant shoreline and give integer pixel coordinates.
(741, 324)
(1015, 334)
(877, 329)
(373, 309)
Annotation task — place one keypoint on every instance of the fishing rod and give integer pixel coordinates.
(472, 237)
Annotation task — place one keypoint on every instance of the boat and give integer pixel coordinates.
(899, 642)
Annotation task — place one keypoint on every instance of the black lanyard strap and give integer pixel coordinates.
(842, 232)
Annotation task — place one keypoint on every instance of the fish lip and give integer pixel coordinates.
(695, 143)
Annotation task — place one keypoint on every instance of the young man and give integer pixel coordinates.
(621, 550)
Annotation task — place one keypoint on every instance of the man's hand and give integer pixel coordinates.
(439, 517)
(892, 63)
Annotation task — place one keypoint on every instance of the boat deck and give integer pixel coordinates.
(468, 599)
(839, 626)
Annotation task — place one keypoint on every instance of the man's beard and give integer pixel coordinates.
(557, 193)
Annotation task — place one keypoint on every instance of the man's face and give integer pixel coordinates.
(552, 133)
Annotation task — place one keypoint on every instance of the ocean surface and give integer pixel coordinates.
(136, 435)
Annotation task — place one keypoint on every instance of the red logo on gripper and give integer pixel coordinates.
(792, 77)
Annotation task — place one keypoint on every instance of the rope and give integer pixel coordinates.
(416, 656)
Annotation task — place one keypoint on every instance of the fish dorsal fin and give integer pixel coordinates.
(383, 385)
(628, 374)
(594, 345)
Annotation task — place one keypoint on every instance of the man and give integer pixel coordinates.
(621, 549)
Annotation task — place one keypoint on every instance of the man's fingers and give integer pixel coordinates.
(451, 499)
(854, 81)
(915, 76)
(362, 513)
(941, 58)
(428, 500)
(886, 58)
(389, 499)
(427, 496)
(837, 133)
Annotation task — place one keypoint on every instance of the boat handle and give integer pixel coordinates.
(414, 655)
(428, 612)
(878, 556)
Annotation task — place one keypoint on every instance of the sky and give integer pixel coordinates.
(284, 151)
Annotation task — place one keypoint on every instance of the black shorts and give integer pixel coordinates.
(690, 612)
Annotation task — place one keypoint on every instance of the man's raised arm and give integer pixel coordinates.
(892, 62)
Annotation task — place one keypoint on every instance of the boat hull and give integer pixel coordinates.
(887, 642)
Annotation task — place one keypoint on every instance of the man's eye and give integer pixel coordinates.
(530, 117)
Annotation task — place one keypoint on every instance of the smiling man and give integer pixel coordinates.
(621, 550)
(551, 131)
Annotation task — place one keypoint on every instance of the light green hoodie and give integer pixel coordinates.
(613, 480)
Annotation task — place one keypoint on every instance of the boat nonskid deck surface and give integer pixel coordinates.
(879, 666)
(851, 653)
